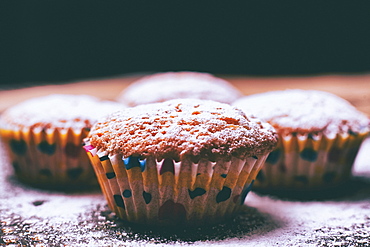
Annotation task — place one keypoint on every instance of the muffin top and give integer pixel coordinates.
(57, 111)
(177, 85)
(304, 111)
(183, 127)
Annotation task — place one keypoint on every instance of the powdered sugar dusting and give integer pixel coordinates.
(174, 85)
(305, 110)
(199, 128)
(58, 111)
(30, 217)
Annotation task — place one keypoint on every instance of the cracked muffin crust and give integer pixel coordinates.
(196, 128)
(303, 111)
(43, 136)
(183, 161)
(165, 86)
(319, 137)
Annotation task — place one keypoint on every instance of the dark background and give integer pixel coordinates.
(61, 41)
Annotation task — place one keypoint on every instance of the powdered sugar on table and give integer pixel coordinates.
(31, 217)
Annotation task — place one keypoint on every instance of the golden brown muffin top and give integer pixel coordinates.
(183, 127)
(60, 111)
(165, 86)
(305, 111)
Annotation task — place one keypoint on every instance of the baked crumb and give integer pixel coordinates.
(187, 127)
(303, 111)
(165, 86)
(58, 111)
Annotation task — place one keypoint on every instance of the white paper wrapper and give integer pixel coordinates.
(49, 158)
(166, 192)
(310, 162)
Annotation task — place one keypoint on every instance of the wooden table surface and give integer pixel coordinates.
(354, 88)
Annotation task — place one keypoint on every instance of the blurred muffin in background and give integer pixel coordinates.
(319, 137)
(165, 86)
(180, 162)
(43, 137)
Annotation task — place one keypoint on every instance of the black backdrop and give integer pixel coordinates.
(57, 41)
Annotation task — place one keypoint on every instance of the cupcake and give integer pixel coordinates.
(319, 137)
(44, 136)
(180, 162)
(165, 86)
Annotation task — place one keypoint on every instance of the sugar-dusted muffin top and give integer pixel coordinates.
(183, 127)
(305, 111)
(57, 111)
(175, 85)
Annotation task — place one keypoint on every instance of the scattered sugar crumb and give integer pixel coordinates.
(32, 217)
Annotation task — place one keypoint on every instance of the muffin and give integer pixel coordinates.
(319, 137)
(180, 162)
(43, 137)
(165, 86)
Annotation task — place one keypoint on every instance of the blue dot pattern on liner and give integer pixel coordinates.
(127, 193)
(351, 132)
(131, 162)
(147, 197)
(223, 195)
(47, 148)
(334, 154)
(351, 155)
(74, 173)
(18, 146)
(196, 192)
(328, 177)
(245, 192)
(274, 156)
(224, 175)
(45, 172)
(105, 157)
(167, 166)
(301, 178)
(172, 211)
(282, 168)
(310, 136)
(119, 201)
(16, 167)
(260, 176)
(309, 154)
(72, 150)
(110, 175)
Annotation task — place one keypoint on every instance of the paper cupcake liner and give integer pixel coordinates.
(310, 162)
(49, 158)
(166, 192)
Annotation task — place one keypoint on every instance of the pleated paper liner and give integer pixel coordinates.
(309, 162)
(50, 158)
(166, 192)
